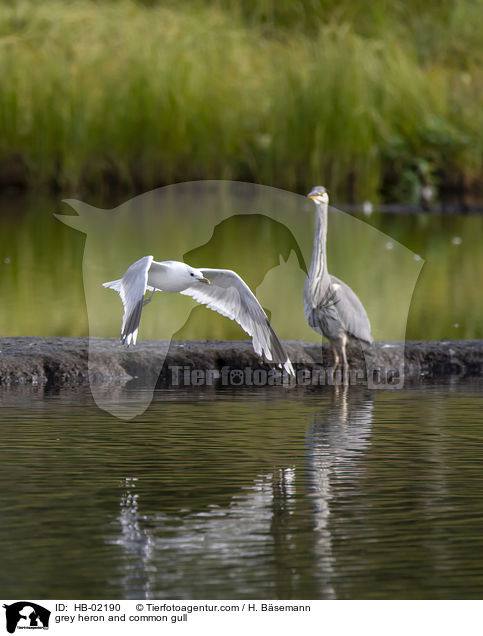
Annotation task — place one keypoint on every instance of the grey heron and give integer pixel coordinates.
(330, 306)
(221, 290)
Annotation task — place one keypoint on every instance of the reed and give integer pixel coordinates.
(134, 95)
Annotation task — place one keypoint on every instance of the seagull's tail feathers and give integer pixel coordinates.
(114, 284)
(288, 367)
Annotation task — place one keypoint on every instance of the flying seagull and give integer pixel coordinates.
(219, 289)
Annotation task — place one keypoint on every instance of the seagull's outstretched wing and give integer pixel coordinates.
(230, 296)
(132, 287)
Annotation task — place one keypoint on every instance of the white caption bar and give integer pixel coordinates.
(181, 617)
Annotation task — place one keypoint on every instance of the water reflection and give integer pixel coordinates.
(336, 441)
(136, 542)
(245, 494)
(255, 540)
(118, 238)
(241, 539)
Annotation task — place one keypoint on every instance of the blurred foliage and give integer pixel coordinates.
(132, 95)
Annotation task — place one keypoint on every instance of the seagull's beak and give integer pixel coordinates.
(205, 280)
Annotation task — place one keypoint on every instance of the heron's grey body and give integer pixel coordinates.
(219, 289)
(331, 307)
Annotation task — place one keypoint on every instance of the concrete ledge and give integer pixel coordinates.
(64, 361)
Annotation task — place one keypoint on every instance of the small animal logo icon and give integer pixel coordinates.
(26, 615)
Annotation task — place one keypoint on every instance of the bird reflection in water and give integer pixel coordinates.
(335, 445)
(263, 539)
(188, 553)
(136, 540)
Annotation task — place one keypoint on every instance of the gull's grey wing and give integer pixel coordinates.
(230, 296)
(350, 309)
(131, 288)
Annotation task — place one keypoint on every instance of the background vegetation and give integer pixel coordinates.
(373, 99)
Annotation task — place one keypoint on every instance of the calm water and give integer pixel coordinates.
(244, 494)
(43, 286)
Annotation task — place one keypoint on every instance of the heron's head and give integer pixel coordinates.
(319, 194)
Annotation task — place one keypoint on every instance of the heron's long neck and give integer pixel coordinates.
(318, 266)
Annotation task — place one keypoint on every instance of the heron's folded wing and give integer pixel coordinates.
(230, 296)
(351, 311)
(131, 288)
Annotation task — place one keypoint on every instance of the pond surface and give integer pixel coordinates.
(44, 289)
(224, 493)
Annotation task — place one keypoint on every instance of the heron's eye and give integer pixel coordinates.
(191, 274)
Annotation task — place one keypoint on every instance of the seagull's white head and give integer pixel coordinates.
(198, 275)
(187, 275)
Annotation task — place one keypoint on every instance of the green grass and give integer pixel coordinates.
(370, 99)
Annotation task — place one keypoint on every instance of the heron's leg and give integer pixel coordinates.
(335, 353)
(148, 300)
(345, 366)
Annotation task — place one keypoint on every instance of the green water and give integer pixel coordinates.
(43, 285)
(244, 494)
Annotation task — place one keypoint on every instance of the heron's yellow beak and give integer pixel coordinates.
(205, 280)
(312, 196)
